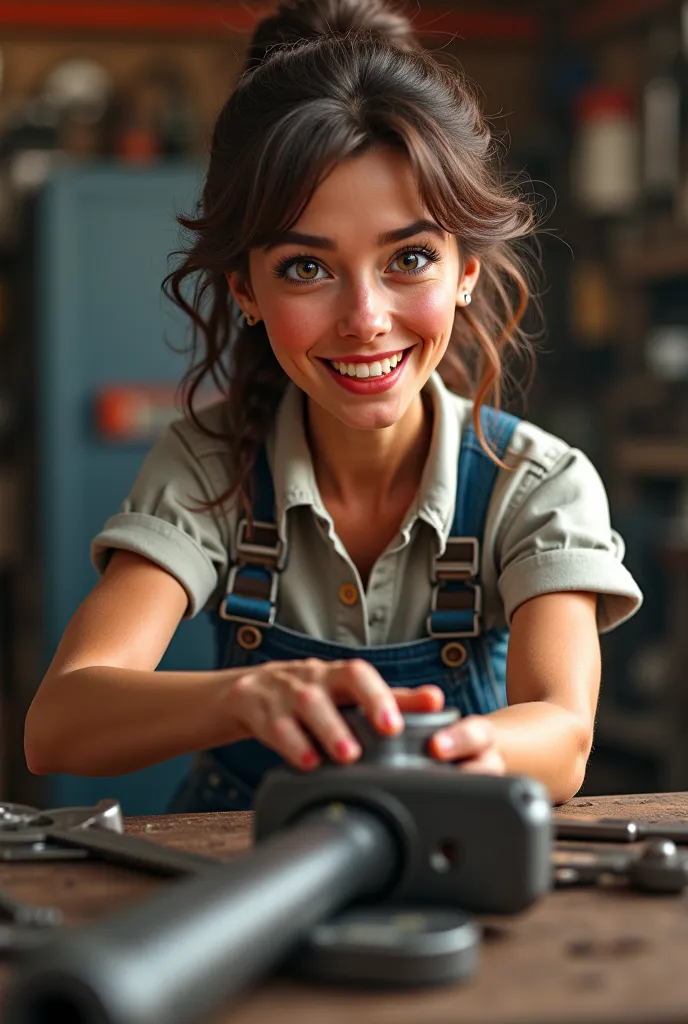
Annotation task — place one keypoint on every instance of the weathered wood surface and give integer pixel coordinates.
(579, 957)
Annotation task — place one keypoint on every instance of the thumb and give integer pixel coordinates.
(420, 698)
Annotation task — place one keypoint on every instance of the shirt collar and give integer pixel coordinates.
(290, 459)
(294, 477)
(437, 491)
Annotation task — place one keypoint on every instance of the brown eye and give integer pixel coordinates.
(409, 261)
(306, 269)
(414, 261)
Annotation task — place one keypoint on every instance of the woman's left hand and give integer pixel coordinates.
(472, 741)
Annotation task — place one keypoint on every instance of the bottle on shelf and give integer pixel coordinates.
(605, 178)
(682, 204)
(661, 124)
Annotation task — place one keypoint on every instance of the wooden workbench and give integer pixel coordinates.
(579, 957)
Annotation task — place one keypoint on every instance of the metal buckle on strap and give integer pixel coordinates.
(248, 551)
(477, 611)
(267, 553)
(272, 598)
(461, 559)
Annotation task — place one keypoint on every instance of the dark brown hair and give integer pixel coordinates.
(298, 20)
(295, 114)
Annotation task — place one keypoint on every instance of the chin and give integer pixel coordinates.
(378, 422)
(375, 416)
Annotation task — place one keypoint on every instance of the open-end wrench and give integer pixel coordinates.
(657, 867)
(619, 830)
(73, 832)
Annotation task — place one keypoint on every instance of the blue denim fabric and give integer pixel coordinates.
(225, 778)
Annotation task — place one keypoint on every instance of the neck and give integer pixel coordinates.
(351, 463)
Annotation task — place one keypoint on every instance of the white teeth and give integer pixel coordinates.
(378, 368)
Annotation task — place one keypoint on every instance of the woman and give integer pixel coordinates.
(361, 533)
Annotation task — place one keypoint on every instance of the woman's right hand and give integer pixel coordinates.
(280, 703)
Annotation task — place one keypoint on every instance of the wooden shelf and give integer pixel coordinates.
(656, 458)
(598, 18)
(657, 259)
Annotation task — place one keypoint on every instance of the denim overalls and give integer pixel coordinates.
(466, 662)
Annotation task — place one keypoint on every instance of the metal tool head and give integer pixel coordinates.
(444, 818)
(105, 814)
(20, 824)
(660, 868)
(18, 817)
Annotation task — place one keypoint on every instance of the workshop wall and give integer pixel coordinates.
(567, 87)
(65, 170)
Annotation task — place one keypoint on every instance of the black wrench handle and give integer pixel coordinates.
(122, 848)
(191, 948)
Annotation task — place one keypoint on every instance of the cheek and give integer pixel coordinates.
(291, 330)
(431, 313)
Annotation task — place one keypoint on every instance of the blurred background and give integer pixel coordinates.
(105, 111)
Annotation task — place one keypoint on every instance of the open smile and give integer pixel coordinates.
(367, 376)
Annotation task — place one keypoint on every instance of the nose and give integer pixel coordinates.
(365, 314)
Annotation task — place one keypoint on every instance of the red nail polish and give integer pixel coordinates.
(310, 759)
(343, 748)
(390, 719)
(443, 742)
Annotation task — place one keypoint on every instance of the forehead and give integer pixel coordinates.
(377, 189)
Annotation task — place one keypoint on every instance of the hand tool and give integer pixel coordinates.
(658, 866)
(396, 829)
(68, 833)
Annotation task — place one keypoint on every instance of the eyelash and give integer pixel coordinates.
(428, 251)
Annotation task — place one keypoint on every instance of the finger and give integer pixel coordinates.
(489, 763)
(469, 737)
(421, 698)
(286, 737)
(359, 681)
(315, 709)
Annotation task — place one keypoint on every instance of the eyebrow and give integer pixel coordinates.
(321, 242)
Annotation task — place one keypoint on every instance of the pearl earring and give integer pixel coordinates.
(250, 319)
(467, 298)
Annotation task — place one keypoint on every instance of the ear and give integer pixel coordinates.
(468, 281)
(242, 293)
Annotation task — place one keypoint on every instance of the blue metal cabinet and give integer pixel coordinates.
(103, 238)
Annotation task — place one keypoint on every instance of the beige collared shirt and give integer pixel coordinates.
(547, 529)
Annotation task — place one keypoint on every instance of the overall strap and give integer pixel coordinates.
(457, 597)
(258, 559)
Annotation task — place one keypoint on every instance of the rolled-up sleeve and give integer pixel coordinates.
(162, 519)
(558, 537)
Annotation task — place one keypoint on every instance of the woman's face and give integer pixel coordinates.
(359, 298)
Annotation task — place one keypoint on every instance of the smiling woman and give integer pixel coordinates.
(341, 288)
(362, 525)
(392, 148)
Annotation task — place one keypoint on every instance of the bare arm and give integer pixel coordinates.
(553, 681)
(102, 709)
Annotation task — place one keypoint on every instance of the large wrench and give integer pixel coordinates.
(75, 832)
(619, 830)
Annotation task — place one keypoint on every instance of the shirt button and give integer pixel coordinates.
(348, 594)
(377, 616)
